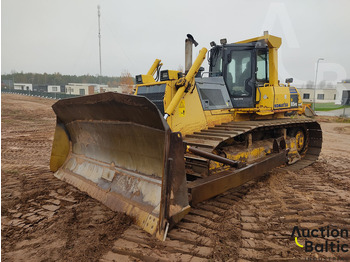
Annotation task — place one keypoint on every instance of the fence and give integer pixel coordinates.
(38, 94)
(343, 112)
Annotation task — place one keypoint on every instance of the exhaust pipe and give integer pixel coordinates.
(188, 52)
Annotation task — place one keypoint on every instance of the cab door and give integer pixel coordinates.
(240, 75)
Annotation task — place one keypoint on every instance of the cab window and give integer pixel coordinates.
(239, 71)
(262, 67)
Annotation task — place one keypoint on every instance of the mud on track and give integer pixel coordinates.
(44, 219)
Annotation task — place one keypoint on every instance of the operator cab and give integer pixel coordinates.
(243, 67)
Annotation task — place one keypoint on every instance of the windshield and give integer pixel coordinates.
(238, 73)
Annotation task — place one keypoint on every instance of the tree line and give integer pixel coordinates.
(59, 79)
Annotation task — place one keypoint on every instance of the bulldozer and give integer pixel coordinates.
(185, 137)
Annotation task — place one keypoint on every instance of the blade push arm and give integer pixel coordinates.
(183, 82)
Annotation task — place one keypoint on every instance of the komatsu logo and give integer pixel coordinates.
(318, 240)
(281, 105)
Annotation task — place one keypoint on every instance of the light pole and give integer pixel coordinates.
(313, 105)
(99, 40)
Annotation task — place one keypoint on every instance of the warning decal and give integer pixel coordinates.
(182, 108)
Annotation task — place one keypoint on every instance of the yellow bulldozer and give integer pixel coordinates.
(185, 137)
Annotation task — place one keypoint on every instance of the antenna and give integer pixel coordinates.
(99, 36)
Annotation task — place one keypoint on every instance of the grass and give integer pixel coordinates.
(328, 106)
(342, 120)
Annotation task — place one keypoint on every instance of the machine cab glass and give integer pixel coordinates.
(243, 67)
(238, 73)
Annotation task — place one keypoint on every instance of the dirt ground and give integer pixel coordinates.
(44, 219)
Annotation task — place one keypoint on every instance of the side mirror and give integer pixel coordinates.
(289, 80)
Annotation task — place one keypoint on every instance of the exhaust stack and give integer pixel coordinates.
(188, 51)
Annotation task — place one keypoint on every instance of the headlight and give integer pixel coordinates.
(138, 79)
(164, 75)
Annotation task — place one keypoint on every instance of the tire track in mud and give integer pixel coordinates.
(43, 218)
(253, 222)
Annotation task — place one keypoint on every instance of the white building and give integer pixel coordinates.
(118, 89)
(53, 89)
(123, 89)
(328, 95)
(83, 89)
(342, 86)
(22, 86)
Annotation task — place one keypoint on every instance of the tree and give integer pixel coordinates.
(112, 83)
(329, 85)
(59, 79)
(126, 82)
(322, 84)
(309, 84)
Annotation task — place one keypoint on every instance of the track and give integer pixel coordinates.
(213, 137)
(250, 223)
(257, 143)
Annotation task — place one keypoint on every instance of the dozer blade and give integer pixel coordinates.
(124, 154)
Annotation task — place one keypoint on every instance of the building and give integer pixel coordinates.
(346, 97)
(328, 95)
(343, 89)
(118, 89)
(49, 88)
(22, 86)
(83, 89)
(55, 89)
(123, 89)
(40, 88)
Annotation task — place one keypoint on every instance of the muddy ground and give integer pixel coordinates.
(44, 219)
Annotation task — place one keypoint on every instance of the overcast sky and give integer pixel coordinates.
(62, 35)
